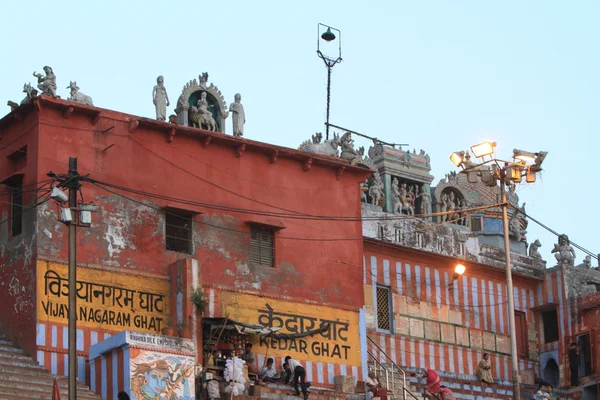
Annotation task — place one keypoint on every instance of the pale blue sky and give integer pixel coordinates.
(439, 75)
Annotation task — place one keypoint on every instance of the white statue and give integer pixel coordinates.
(30, 93)
(348, 151)
(77, 96)
(47, 84)
(565, 254)
(453, 216)
(160, 99)
(407, 207)
(533, 249)
(587, 263)
(239, 117)
(201, 117)
(328, 148)
(464, 215)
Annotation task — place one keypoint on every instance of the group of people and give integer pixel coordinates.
(293, 372)
(545, 392)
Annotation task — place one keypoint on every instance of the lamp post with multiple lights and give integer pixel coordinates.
(490, 172)
(328, 36)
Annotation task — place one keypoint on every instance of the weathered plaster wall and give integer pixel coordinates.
(18, 253)
(129, 235)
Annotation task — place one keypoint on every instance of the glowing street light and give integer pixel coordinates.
(459, 270)
(483, 149)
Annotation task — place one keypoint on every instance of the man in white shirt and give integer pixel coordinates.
(268, 372)
(542, 393)
(297, 376)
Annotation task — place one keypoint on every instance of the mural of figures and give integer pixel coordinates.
(157, 376)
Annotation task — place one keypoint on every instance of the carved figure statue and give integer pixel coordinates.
(30, 93)
(397, 204)
(328, 148)
(533, 249)
(239, 117)
(203, 78)
(317, 137)
(516, 229)
(376, 190)
(451, 208)
(47, 83)
(364, 189)
(348, 151)
(201, 117)
(464, 215)
(425, 200)
(512, 196)
(587, 263)
(407, 207)
(160, 99)
(77, 96)
(565, 254)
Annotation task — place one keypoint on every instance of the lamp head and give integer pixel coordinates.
(523, 155)
(328, 36)
(457, 158)
(483, 149)
(458, 271)
(58, 195)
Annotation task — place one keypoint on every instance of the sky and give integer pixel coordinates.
(437, 75)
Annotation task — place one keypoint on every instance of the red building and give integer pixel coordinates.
(179, 209)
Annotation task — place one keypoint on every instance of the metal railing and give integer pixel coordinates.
(394, 367)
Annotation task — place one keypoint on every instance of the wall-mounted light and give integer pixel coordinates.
(458, 271)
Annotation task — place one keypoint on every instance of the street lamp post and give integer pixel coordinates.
(328, 36)
(509, 172)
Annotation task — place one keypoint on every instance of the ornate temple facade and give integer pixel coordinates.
(419, 316)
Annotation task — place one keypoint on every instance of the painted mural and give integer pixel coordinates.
(339, 344)
(159, 376)
(105, 299)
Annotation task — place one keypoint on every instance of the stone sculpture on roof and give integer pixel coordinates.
(30, 93)
(328, 148)
(77, 96)
(376, 190)
(46, 83)
(348, 151)
(565, 254)
(425, 200)
(587, 263)
(238, 115)
(533, 249)
(198, 94)
(160, 99)
(516, 229)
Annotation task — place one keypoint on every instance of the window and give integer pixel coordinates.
(477, 224)
(550, 320)
(384, 308)
(420, 240)
(461, 249)
(380, 232)
(440, 244)
(262, 246)
(398, 235)
(521, 331)
(178, 231)
(16, 205)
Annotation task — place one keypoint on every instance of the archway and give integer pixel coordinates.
(551, 373)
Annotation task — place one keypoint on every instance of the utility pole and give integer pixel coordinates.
(73, 185)
(510, 292)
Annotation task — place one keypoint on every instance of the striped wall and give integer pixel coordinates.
(478, 297)
(110, 374)
(52, 348)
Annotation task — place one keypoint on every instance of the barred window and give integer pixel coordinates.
(384, 308)
(477, 224)
(262, 246)
(178, 231)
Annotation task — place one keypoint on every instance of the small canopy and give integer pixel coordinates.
(257, 329)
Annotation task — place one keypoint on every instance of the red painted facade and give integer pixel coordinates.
(235, 179)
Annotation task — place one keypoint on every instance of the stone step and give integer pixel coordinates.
(24, 362)
(22, 374)
(12, 393)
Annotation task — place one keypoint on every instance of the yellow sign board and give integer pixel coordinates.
(339, 344)
(105, 299)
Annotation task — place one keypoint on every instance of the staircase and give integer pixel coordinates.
(21, 378)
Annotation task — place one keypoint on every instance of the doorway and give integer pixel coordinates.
(585, 355)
